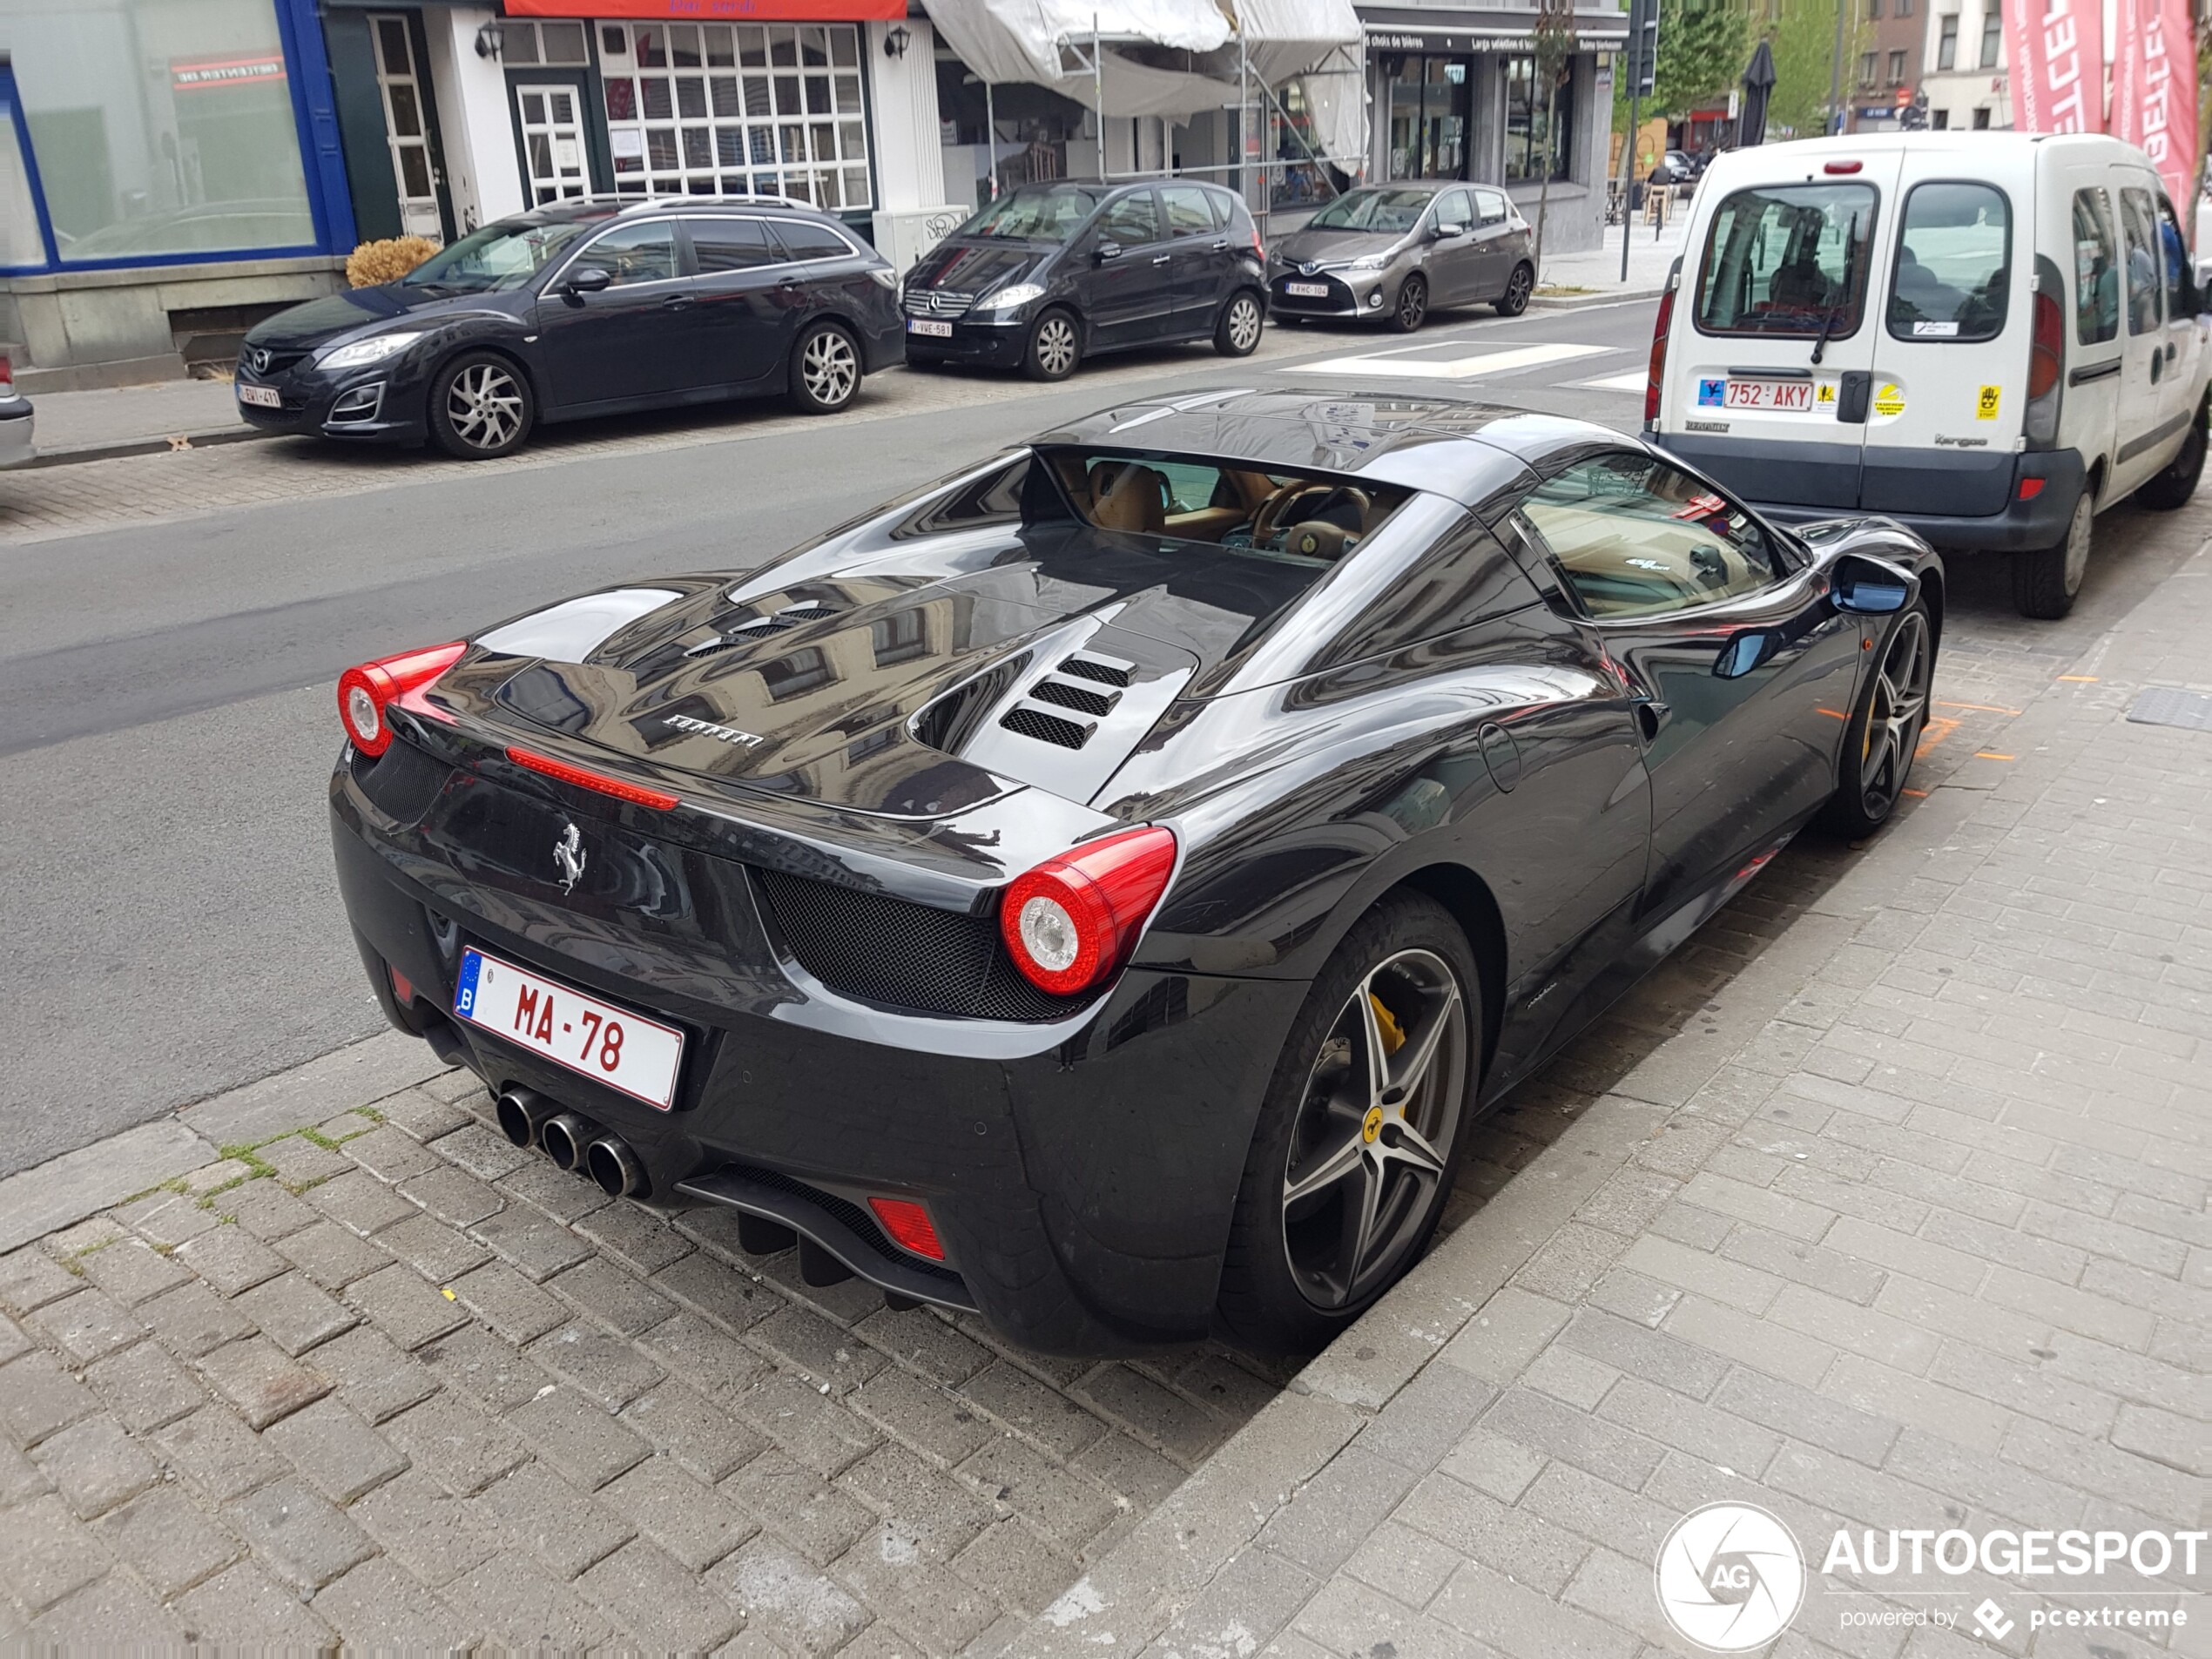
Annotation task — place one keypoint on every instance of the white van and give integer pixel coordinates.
(1990, 336)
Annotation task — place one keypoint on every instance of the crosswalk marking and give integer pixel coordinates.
(1372, 364)
(1632, 381)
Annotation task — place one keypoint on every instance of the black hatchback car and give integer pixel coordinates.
(1048, 274)
(585, 308)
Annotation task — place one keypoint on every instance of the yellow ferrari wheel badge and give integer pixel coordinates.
(1373, 1125)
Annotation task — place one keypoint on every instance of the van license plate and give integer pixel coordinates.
(926, 325)
(617, 1045)
(1790, 397)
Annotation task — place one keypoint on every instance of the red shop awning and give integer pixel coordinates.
(717, 11)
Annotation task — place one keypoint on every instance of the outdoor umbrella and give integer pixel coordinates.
(1758, 86)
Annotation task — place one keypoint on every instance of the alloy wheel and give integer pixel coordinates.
(1896, 715)
(1374, 1133)
(1412, 303)
(830, 368)
(1244, 323)
(484, 406)
(1056, 345)
(1517, 289)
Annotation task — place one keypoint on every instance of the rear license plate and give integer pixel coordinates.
(261, 397)
(1790, 397)
(1307, 290)
(930, 327)
(621, 1048)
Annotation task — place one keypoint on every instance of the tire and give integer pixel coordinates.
(1301, 1263)
(1519, 286)
(825, 370)
(2173, 488)
(1055, 346)
(1885, 730)
(1412, 309)
(1237, 333)
(2044, 583)
(480, 406)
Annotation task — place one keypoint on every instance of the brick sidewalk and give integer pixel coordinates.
(1930, 1249)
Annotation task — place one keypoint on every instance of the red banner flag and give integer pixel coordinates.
(2057, 57)
(2153, 93)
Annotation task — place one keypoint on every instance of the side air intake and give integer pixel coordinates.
(1047, 728)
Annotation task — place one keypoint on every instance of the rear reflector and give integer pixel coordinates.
(637, 795)
(402, 987)
(2030, 489)
(1842, 166)
(908, 1222)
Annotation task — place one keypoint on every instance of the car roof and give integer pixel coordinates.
(1457, 448)
(608, 207)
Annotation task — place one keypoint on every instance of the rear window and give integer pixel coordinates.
(805, 241)
(1787, 260)
(1953, 263)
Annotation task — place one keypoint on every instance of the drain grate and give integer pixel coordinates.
(2168, 705)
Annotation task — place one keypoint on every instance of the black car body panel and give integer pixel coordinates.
(818, 912)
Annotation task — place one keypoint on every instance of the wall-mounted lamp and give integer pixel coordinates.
(489, 41)
(896, 41)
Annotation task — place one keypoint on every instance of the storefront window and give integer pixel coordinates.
(1429, 117)
(1524, 117)
(161, 126)
(20, 246)
(743, 109)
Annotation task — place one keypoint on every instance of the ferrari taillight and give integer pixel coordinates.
(1658, 372)
(364, 693)
(1073, 920)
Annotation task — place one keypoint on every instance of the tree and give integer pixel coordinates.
(1703, 45)
(1554, 49)
(1803, 41)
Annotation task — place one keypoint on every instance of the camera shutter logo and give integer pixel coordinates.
(1730, 1577)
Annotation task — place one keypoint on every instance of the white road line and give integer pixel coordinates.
(1633, 382)
(1456, 368)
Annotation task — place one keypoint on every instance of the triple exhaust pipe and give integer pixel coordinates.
(526, 1118)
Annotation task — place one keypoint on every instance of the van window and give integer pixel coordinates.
(1787, 260)
(1953, 263)
(2180, 300)
(2096, 270)
(2139, 227)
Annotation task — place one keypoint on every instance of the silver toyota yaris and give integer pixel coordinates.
(1397, 251)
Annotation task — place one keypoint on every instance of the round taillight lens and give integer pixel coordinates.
(361, 712)
(364, 692)
(1048, 934)
(1072, 921)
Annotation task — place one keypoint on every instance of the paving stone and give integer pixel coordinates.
(534, 1245)
(86, 1325)
(168, 1541)
(453, 1195)
(579, 1439)
(691, 1520)
(720, 1367)
(943, 1426)
(1321, 1525)
(711, 1286)
(924, 1341)
(1043, 1413)
(218, 1453)
(262, 1380)
(804, 1422)
(565, 1528)
(374, 1378)
(230, 1259)
(782, 1595)
(331, 1255)
(698, 1436)
(130, 1270)
(267, 1211)
(297, 1534)
(464, 1449)
(38, 1398)
(818, 1349)
(635, 1236)
(30, 1279)
(245, 1609)
(610, 1372)
(46, 1553)
(520, 1608)
(1184, 1431)
(941, 1610)
(297, 1160)
(433, 1248)
(560, 1195)
(192, 1320)
(616, 1299)
(421, 1114)
(434, 1534)
(20, 1480)
(1015, 1568)
(360, 1202)
(653, 1597)
(392, 1155)
(378, 1609)
(822, 1521)
(1140, 1475)
(493, 1373)
(293, 1314)
(401, 1305)
(114, 1615)
(1061, 1503)
(1515, 1619)
(480, 1151)
(339, 1456)
(167, 1217)
(508, 1303)
(95, 1466)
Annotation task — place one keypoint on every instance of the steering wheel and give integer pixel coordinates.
(1272, 510)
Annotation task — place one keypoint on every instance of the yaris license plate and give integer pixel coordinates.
(261, 397)
(929, 326)
(620, 1048)
(1307, 290)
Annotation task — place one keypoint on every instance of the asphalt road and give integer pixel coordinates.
(166, 727)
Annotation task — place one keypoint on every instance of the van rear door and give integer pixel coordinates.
(1951, 332)
(1776, 346)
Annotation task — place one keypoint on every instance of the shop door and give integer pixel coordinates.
(550, 119)
(398, 81)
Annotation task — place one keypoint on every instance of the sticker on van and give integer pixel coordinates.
(1711, 394)
(1890, 400)
(1827, 392)
(1935, 331)
(1985, 402)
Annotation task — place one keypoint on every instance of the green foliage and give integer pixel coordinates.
(1803, 41)
(1703, 45)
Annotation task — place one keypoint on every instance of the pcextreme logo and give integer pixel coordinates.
(1730, 1577)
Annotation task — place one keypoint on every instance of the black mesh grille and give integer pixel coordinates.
(1105, 673)
(882, 949)
(1047, 728)
(1073, 697)
(403, 781)
(852, 1215)
(760, 627)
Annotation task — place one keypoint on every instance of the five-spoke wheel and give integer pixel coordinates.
(1885, 728)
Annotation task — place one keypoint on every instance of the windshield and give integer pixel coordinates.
(1371, 210)
(496, 258)
(1787, 260)
(1034, 213)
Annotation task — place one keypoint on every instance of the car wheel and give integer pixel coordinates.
(1055, 346)
(480, 407)
(1519, 286)
(2173, 487)
(1237, 333)
(824, 369)
(1885, 730)
(1360, 1133)
(1413, 303)
(2044, 583)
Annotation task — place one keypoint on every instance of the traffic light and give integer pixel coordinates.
(1640, 60)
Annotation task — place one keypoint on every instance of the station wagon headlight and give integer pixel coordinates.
(1018, 293)
(362, 352)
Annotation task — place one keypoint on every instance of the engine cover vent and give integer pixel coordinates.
(1047, 728)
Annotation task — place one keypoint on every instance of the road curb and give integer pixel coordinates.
(1583, 301)
(76, 454)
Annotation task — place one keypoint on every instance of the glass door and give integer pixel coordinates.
(551, 118)
(405, 128)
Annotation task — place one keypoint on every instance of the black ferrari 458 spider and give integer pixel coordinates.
(1104, 888)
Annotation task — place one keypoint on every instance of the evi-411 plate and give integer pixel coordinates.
(613, 1045)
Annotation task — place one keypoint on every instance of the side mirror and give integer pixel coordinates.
(1106, 251)
(1862, 586)
(1743, 654)
(1443, 231)
(587, 278)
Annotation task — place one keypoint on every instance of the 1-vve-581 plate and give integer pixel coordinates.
(616, 1045)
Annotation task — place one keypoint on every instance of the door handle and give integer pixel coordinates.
(1651, 716)
(2170, 349)
(2157, 363)
(1222, 247)
(678, 302)
(1162, 258)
